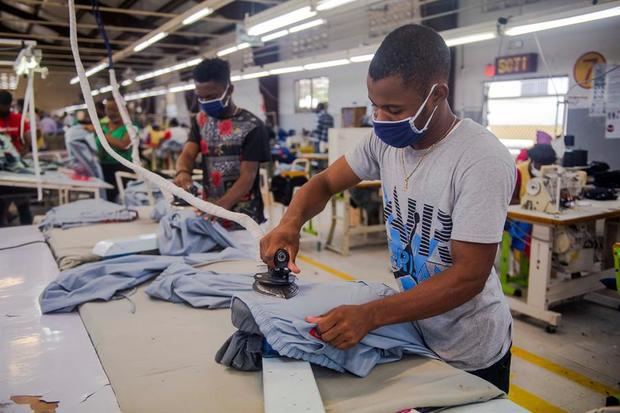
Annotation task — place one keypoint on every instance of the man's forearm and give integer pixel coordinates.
(185, 163)
(309, 201)
(437, 295)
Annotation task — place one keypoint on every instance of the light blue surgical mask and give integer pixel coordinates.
(215, 107)
(403, 133)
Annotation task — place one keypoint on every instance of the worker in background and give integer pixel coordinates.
(323, 123)
(447, 184)
(117, 136)
(539, 155)
(48, 125)
(10, 124)
(232, 142)
(178, 133)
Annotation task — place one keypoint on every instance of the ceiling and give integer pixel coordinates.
(47, 22)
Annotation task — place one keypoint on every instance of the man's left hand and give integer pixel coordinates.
(344, 326)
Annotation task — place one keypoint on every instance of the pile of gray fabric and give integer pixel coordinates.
(86, 212)
(181, 232)
(139, 193)
(285, 331)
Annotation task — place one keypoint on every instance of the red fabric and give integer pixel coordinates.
(216, 178)
(226, 127)
(523, 156)
(10, 126)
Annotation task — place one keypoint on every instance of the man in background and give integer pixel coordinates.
(232, 142)
(324, 122)
(117, 136)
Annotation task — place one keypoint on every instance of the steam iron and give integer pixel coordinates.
(278, 281)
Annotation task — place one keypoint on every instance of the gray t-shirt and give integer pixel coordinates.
(460, 191)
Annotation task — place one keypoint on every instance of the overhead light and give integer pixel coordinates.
(568, 21)
(255, 75)
(362, 58)
(90, 72)
(331, 4)
(243, 45)
(274, 36)
(227, 51)
(94, 92)
(73, 108)
(194, 62)
(126, 82)
(150, 41)
(197, 16)
(284, 70)
(182, 88)
(330, 63)
(105, 89)
(473, 38)
(235, 78)
(308, 25)
(282, 21)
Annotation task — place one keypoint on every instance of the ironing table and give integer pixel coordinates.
(160, 357)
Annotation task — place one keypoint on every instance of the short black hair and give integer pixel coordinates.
(5, 97)
(216, 70)
(173, 123)
(417, 54)
(542, 153)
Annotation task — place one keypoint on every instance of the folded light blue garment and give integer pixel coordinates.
(182, 283)
(161, 208)
(100, 280)
(137, 194)
(282, 324)
(181, 232)
(86, 212)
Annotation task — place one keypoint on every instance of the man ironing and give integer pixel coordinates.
(447, 184)
(232, 142)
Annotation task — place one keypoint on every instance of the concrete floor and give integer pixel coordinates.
(572, 370)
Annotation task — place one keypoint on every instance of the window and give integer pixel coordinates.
(310, 92)
(517, 109)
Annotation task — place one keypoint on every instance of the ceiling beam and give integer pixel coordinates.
(163, 45)
(107, 27)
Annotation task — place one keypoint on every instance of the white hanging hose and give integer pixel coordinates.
(29, 99)
(207, 207)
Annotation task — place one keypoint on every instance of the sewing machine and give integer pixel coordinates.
(555, 189)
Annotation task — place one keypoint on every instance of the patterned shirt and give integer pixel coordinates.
(224, 144)
(325, 121)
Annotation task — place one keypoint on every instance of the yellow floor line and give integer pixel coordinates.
(563, 371)
(516, 351)
(531, 402)
(325, 268)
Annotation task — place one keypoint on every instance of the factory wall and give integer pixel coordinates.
(561, 47)
(51, 93)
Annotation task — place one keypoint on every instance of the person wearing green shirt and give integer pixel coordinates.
(118, 138)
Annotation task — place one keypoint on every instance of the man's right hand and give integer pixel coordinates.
(283, 236)
(184, 180)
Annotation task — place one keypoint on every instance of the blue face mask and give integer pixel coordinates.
(403, 133)
(215, 107)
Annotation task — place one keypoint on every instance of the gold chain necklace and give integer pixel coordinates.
(402, 158)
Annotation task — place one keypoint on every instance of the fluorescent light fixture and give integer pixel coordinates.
(243, 45)
(305, 26)
(472, 38)
(235, 78)
(150, 41)
(73, 108)
(178, 66)
(281, 21)
(362, 58)
(273, 36)
(284, 70)
(194, 62)
(105, 89)
(254, 75)
(90, 72)
(126, 82)
(568, 21)
(329, 63)
(227, 51)
(197, 16)
(182, 88)
(94, 92)
(332, 4)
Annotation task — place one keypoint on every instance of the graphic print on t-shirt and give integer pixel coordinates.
(418, 236)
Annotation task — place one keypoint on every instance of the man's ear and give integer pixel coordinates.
(440, 93)
(231, 88)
